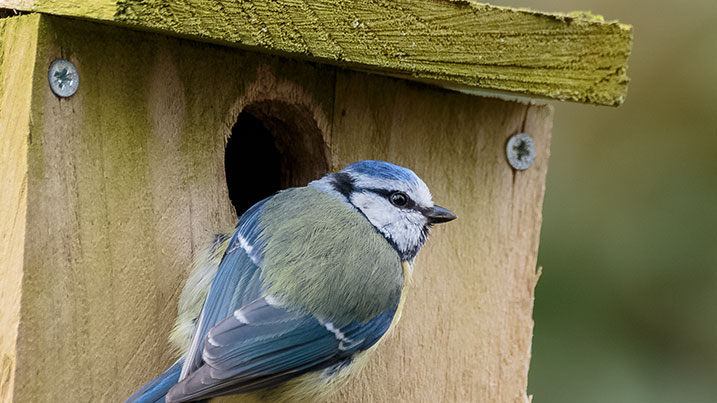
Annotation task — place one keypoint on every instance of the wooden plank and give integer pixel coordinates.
(18, 42)
(100, 10)
(25, 5)
(455, 43)
(466, 330)
(126, 183)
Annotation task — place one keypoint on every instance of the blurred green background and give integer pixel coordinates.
(626, 308)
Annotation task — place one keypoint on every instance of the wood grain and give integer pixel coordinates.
(466, 330)
(125, 181)
(18, 42)
(457, 43)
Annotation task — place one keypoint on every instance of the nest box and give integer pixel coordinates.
(164, 119)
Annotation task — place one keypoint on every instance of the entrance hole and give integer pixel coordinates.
(273, 145)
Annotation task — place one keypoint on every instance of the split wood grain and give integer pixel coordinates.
(455, 43)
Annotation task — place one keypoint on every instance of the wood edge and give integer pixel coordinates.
(608, 90)
(17, 76)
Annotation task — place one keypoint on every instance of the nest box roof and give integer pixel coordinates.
(458, 44)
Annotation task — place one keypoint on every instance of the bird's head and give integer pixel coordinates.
(394, 199)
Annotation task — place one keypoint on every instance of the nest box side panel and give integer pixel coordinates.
(18, 42)
(126, 184)
(465, 334)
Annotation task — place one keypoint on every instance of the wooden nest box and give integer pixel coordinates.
(188, 111)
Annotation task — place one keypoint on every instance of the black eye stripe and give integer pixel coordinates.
(410, 204)
(343, 183)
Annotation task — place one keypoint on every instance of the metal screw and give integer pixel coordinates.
(63, 78)
(520, 151)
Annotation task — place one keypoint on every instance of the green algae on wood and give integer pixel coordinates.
(573, 57)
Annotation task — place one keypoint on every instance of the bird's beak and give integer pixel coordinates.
(439, 214)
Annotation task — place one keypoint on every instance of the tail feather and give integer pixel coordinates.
(155, 390)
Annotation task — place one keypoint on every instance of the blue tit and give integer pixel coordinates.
(302, 291)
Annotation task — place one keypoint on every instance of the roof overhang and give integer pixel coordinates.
(458, 44)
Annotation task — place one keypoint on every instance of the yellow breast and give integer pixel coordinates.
(316, 386)
(407, 267)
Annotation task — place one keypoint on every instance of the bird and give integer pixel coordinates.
(300, 294)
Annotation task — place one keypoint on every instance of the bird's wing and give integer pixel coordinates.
(244, 341)
(262, 344)
(236, 283)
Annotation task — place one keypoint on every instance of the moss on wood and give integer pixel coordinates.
(575, 56)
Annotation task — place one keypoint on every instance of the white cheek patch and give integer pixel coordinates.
(403, 227)
(379, 211)
(407, 231)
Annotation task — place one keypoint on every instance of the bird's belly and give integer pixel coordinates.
(318, 385)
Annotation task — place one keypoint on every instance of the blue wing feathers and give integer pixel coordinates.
(248, 230)
(219, 301)
(236, 282)
(372, 331)
(244, 342)
(268, 345)
(155, 390)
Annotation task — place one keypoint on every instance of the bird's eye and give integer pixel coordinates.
(398, 199)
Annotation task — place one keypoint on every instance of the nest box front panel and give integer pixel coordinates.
(167, 139)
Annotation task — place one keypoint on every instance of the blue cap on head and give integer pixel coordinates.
(383, 170)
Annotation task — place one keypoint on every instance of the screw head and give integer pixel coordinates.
(520, 151)
(63, 78)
